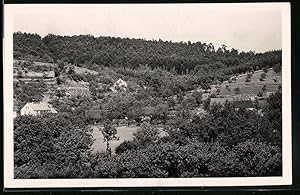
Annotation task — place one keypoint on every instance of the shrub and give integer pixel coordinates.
(262, 77)
(277, 68)
(264, 88)
(237, 90)
(260, 94)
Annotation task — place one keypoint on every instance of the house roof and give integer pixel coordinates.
(120, 82)
(243, 104)
(41, 106)
(243, 97)
(49, 74)
(219, 100)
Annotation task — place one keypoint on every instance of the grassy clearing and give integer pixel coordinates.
(252, 87)
(124, 133)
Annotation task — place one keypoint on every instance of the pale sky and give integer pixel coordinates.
(255, 27)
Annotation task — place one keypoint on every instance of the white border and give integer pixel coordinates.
(285, 179)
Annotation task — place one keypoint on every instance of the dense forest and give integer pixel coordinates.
(183, 57)
(163, 78)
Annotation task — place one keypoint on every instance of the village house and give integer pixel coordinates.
(237, 102)
(247, 104)
(119, 85)
(217, 100)
(36, 108)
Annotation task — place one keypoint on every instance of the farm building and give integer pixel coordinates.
(247, 104)
(238, 97)
(46, 74)
(119, 85)
(221, 101)
(236, 101)
(37, 108)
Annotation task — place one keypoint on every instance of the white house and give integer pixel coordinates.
(37, 108)
(119, 85)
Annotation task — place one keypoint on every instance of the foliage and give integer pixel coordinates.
(94, 52)
(195, 159)
(50, 146)
(277, 68)
(109, 133)
(264, 88)
(237, 90)
(29, 92)
(262, 77)
(164, 80)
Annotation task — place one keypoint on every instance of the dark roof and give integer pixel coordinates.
(243, 104)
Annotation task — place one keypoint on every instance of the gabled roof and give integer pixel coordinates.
(120, 81)
(39, 106)
(243, 104)
(49, 74)
(243, 97)
(219, 100)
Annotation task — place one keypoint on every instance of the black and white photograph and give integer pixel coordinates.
(125, 95)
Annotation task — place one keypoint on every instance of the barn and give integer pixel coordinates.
(37, 108)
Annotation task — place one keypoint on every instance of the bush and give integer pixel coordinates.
(194, 159)
(262, 77)
(277, 68)
(51, 146)
(237, 90)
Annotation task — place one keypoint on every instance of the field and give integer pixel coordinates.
(254, 86)
(124, 133)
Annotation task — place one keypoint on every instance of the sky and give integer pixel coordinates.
(255, 27)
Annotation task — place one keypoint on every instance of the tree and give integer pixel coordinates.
(20, 74)
(198, 96)
(264, 88)
(109, 133)
(206, 104)
(248, 77)
(171, 102)
(51, 146)
(228, 88)
(262, 77)
(237, 90)
(273, 114)
(277, 68)
(279, 87)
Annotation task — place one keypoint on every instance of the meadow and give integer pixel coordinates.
(253, 86)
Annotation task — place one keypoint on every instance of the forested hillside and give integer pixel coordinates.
(183, 57)
(169, 88)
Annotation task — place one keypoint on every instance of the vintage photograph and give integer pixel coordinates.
(147, 91)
